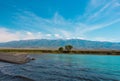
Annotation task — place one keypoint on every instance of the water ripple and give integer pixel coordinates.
(52, 69)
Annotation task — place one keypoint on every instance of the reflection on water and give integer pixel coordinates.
(63, 67)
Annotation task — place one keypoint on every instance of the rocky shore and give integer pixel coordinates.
(14, 58)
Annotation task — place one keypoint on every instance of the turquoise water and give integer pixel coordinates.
(63, 67)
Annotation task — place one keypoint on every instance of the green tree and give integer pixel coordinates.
(60, 49)
(68, 47)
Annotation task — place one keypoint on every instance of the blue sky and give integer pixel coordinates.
(97, 20)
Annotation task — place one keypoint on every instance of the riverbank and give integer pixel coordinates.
(54, 51)
(18, 58)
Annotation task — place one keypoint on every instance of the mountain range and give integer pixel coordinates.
(55, 44)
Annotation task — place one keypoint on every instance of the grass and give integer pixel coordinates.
(54, 51)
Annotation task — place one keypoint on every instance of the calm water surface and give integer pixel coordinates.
(63, 67)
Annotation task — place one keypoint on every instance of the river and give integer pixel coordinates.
(63, 67)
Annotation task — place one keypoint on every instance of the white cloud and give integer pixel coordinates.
(6, 35)
(100, 12)
(33, 22)
(96, 27)
(35, 27)
(57, 27)
(117, 4)
(96, 14)
(29, 33)
(48, 35)
(102, 39)
(57, 35)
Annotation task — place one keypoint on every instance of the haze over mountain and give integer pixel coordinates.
(54, 44)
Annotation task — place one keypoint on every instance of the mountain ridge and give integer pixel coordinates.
(56, 43)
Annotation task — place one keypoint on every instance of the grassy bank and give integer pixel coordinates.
(33, 50)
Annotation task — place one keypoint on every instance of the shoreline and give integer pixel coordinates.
(54, 51)
(16, 58)
(21, 56)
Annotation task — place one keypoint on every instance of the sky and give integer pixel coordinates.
(96, 20)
